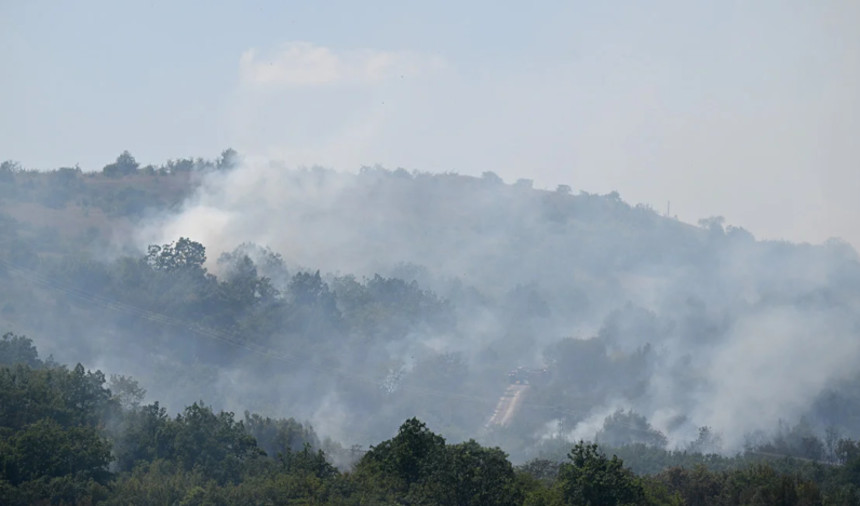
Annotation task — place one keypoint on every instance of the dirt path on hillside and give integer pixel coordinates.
(507, 405)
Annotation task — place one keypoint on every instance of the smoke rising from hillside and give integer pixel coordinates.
(695, 326)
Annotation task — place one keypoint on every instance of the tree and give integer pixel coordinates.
(491, 177)
(146, 435)
(624, 428)
(313, 307)
(215, 444)
(411, 455)
(18, 350)
(279, 436)
(713, 224)
(707, 442)
(229, 159)
(480, 476)
(524, 184)
(181, 165)
(417, 467)
(124, 165)
(242, 286)
(70, 398)
(184, 254)
(591, 479)
(126, 391)
(46, 449)
(267, 263)
(46, 463)
(307, 461)
(8, 169)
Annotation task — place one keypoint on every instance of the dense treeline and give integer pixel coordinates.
(70, 437)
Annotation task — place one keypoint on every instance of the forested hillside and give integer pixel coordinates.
(354, 302)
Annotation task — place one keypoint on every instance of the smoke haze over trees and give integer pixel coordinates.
(357, 301)
(70, 437)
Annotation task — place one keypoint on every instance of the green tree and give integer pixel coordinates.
(243, 287)
(312, 309)
(16, 349)
(126, 391)
(45, 461)
(307, 461)
(412, 455)
(417, 467)
(215, 444)
(591, 479)
(146, 434)
(479, 476)
(124, 165)
(71, 398)
(278, 436)
(45, 448)
(625, 428)
(183, 254)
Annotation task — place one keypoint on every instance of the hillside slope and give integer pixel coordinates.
(430, 289)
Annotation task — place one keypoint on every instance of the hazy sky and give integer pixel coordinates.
(743, 109)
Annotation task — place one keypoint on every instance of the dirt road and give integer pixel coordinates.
(508, 404)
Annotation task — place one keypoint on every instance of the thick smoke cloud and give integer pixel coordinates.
(694, 326)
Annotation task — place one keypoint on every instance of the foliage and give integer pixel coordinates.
(71, 397)
(396, 342)
(481, 476)
(198, 439)
(410, 457)
(16, 349)
(45, 449)
(754, 485)
(126, 391)
(279, 436)
(51, 444)
(624, 428)
(61, 428)
(215, 444)
(591, 479)
(125, 165)
(417, 465)
(145, 435)
(182, 255)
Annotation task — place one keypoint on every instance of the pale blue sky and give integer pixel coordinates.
(743, 109)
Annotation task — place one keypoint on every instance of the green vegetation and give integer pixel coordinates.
(678, 321)
(69, 439)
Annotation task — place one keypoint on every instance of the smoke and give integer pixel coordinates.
(771, 367)
(687, 326)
